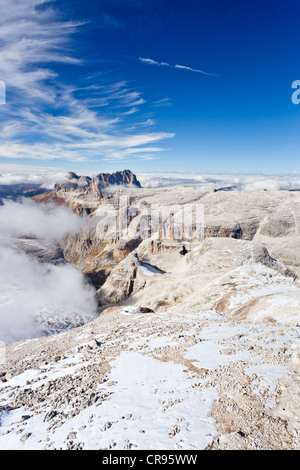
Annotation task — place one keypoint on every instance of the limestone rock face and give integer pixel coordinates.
(84, 193)
(120, 284)
(147, 222)
(123, 178)
(271, 218)
(279, 225)
(44, 251)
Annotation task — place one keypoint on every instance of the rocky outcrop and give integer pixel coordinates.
(129, 217)
(172, 266)
(123, 178)
(44, 252)
(101, 181)
(16, 191)
(94, 256)
(83, 194)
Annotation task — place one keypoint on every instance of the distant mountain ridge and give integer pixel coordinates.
(83, 194)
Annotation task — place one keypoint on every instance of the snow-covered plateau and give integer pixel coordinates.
(156, 342)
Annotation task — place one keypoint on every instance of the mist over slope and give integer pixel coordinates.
(75, 252)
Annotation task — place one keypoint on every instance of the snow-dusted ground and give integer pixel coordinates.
(129, 380)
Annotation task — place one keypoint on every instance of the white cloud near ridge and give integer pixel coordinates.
(39, 298)
(45, 118)
(165, 64)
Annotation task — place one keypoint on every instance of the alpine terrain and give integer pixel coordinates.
(192, 339)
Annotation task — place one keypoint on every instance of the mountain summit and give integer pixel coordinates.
(83, 193)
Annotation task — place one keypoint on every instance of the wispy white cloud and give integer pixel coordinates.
(80, 148)
(165, 64)
(44, 117)
(153, 62)
(194, 70)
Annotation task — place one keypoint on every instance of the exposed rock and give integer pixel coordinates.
(72, 176)
(49, 197)
(124, 247)
(288, 406)
(121, 282)
(25, 436)
(110, 310)
(44, 251)
(52, 414)
(16, 191)
(83, 194)
(238, 381)
(123, 178)
(146, 310)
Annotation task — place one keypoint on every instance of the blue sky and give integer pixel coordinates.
(150, 85)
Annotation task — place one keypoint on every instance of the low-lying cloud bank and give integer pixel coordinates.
(37, 298)
(43, 221)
